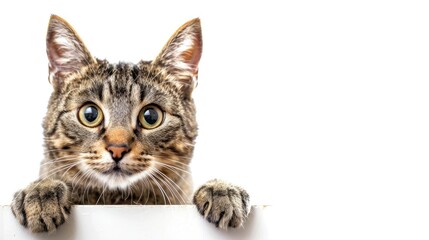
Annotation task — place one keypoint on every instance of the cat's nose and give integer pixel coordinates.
(118, 151)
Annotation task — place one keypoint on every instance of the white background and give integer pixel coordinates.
(317, 107)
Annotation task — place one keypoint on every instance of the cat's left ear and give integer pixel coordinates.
(182, 54)
(66, 51)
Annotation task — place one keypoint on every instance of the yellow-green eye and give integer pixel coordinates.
(151, 117)
(90, 115)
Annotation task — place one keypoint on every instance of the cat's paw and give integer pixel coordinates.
(222, 203)
(43, 206)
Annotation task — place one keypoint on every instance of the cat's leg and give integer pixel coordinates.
(223, 204)
(43, 205)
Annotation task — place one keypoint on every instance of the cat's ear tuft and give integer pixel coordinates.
(66, 51)
(182, 54)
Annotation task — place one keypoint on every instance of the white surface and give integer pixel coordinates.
(141, 222)
(318, 107)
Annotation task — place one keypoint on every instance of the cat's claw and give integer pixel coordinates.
(43, 206)
(223, 204)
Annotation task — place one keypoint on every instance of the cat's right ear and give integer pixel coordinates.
(181, 55)
(66, 52)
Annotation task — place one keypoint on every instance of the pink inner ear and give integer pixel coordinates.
(193, 55)
(183, 51)
(66, 51)
(56, 72)
(56, 57)
(59, 64)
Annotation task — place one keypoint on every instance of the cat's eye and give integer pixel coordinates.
(90, 115)
(151, 117)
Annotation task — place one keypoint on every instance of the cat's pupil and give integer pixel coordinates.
(150, 116)
(91, 113)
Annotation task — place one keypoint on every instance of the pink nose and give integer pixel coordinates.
(118, 151)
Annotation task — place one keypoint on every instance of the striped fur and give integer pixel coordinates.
(81, 164)
(121, 91)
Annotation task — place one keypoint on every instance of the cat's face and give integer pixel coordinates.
(120, 123)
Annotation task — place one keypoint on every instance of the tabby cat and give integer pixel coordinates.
(121, 134)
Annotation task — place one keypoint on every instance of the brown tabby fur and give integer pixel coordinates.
(79, 167)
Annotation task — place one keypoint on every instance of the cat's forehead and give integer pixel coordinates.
(144, 73)
(123, 84)
(142, 79)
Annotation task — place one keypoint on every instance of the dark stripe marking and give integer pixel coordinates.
(54, 129)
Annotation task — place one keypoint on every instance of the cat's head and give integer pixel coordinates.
(120, 123)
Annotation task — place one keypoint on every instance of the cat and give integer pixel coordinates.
(122, 134)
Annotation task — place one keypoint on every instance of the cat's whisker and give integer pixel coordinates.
(163, 183)
(173, 192)
(163, 159)
(149, 186)
(102, 194)
(68, 169)
(149, 183)
(155, 181)
(58, 160)
(79, 177)
(130, 193)
(57, 170)
(59, 151)
(174, 169)
(87, 178)
(125, 191)
(132, 189)
(141, 191)
(172, 185)
(176, 187)
(80, 181)
(75, 177)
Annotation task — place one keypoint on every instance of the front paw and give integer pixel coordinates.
(43, 206)
(223, 204)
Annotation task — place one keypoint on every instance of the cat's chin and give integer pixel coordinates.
(119, 178)
(117, 171)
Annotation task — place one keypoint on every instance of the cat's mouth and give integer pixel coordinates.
(117, 170)
(120, 175)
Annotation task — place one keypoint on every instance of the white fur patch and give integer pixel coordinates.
(114, 181)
